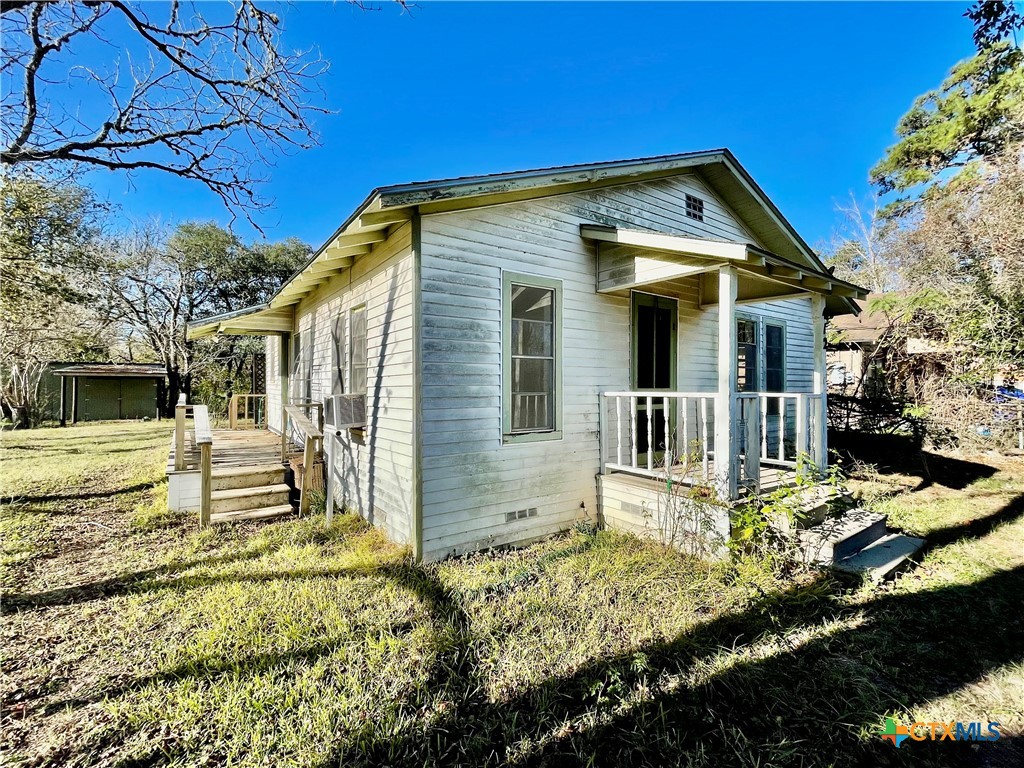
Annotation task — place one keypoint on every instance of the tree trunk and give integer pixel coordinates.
(177, 382)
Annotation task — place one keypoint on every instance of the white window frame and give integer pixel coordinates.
(365, 347)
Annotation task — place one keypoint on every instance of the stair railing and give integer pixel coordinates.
(312, 443)
(204, 441)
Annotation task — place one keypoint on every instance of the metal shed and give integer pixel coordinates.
(102, 391)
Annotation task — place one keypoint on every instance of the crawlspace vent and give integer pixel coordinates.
(519, 514)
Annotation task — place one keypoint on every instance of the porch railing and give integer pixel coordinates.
(247, 411)
(645, 433)
(298, 416)
(654, 434)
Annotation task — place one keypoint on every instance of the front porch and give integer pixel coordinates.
(744, 325)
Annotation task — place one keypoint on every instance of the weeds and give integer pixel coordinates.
(304, 644)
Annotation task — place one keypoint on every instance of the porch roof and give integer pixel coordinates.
(260, 320)
(630, 258)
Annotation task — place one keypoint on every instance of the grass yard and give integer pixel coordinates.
(130, 638)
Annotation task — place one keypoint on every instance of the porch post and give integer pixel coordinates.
(819, 435)
(725, 402)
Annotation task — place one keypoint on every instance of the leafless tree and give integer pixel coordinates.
(868, 248)
(203, 94)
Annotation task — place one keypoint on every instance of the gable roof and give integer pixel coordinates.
(390, 205)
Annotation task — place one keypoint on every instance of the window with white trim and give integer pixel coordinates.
(357, 350)
(774, 357)
(531, 315)
(774, 362)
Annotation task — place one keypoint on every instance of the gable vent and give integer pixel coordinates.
(519, 514)
(695, 208)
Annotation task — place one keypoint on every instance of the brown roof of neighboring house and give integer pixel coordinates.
(866, 327)
(128, 370)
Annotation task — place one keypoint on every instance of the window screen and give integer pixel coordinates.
(533, 358)
(357, 350)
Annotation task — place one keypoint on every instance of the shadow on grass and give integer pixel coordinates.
(976, 529)
(898, 454)
(806, 698)
(812, 698)
(82, 496)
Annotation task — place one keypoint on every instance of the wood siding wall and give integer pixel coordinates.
(471, 480)
(373, 476)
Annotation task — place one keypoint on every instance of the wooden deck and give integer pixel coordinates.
(236, 448)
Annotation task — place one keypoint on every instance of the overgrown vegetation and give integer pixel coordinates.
(306, 645)
(942, 243)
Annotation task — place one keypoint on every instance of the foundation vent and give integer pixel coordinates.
(519, 514)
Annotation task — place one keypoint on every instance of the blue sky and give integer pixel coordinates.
(807, 95)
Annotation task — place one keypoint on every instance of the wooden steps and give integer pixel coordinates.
(254, 497)
(265, 513)
(226, 478)
(257, 491)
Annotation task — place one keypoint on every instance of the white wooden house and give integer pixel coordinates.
(531, 346)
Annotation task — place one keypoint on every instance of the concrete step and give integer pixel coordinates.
(236, 499)
(262, 513)
(842, 536)
(820, 502)
(227, 478)
(882, 557)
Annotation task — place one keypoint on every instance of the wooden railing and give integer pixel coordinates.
(202, 438)
(181, 410)
(204, 441)
(656, 434)
(299, 415)
(253, 411)
(781, 428)
(646, 433)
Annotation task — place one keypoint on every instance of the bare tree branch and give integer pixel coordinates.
(212, 99)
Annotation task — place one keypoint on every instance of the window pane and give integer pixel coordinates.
(774, 358)
(530, 303)
(358, 350)
(531, 337)
(532, 394)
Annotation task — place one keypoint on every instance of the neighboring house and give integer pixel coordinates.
(97, 391)
(854, 366)
(533, 348)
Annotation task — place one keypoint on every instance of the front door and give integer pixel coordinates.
(654, 367)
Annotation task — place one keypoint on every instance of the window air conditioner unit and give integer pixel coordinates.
(344, 411)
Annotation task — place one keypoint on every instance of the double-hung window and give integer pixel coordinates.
(357, 350)
(531, 339)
